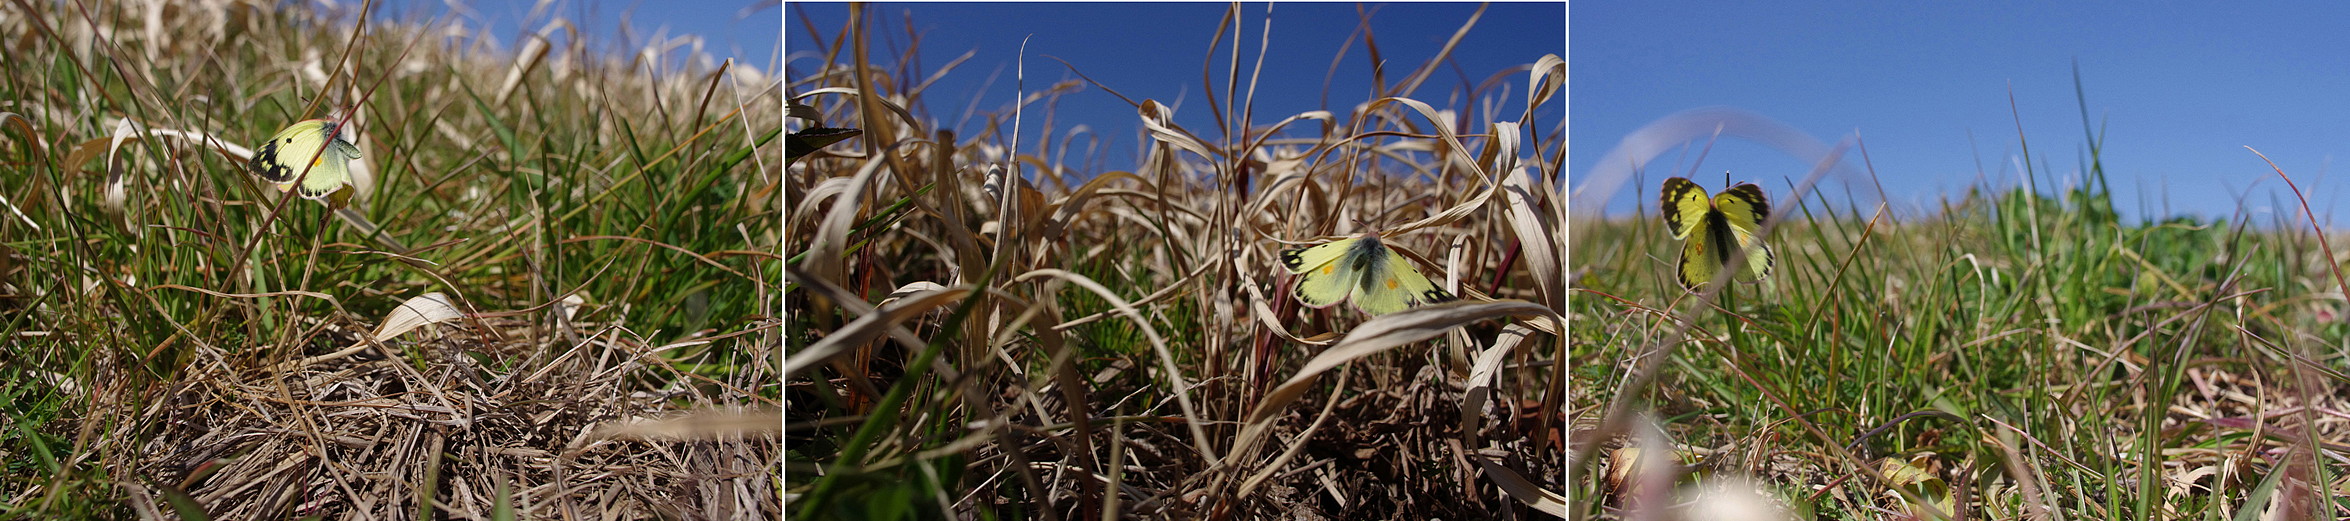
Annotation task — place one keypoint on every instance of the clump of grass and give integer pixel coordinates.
(182, 339)
(985, 330)
(2011, 354)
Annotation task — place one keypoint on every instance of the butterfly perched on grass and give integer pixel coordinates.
(1376, 278)
(316, 153)
(1717, 229)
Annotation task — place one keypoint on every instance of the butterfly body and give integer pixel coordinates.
(1717, 230)
(310, 157)
(1363, 270)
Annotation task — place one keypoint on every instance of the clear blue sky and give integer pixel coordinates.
(746, 30)
(2180, 90)
(1157, 50)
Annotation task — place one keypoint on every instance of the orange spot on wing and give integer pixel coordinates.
(1392, 283)
(1329, 269)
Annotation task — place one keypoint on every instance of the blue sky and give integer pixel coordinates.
(746, 30)
(1156, 51)
(2180, 90)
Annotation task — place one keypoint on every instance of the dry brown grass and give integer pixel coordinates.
(368, 436)
(1095, 345)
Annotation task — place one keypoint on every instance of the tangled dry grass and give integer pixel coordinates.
(983, 328)
(366, 435)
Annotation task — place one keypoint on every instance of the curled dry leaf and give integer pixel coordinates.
(1543, 243)
(114, 198)
(1547, 78)
(893, 106)
(1483, 373)
(812, 201)
(1159, 120)
(533, 51)
(24, 127)
(1525, 491)
(1391, 331)
(864, 328)
(124, 130)
(824, 255)
(2182, 481)
(1379, 334)
(911, 289)
(1272, 322)
(1071, 207)
(1504, 151)
(429, 308)
(1620, 464)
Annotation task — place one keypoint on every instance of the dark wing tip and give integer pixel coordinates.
(1754, 194)
(264, 164)
(316, 194)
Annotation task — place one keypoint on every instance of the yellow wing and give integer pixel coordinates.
(1698, 265)
(1731, 219)
(1745, 208)
(1396, 286)
(1684, 206)
(311, 151)
(1327, 279)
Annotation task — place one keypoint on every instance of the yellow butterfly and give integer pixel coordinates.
(316, 152)
(1376, 278)
(1717, 229)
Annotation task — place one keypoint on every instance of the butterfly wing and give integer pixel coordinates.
(1684, 206)
(332, 171)
(1698, 265)
(1396, 286)
(298, 144)
(307, 146)
(1745, 208)
(1328, 279)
